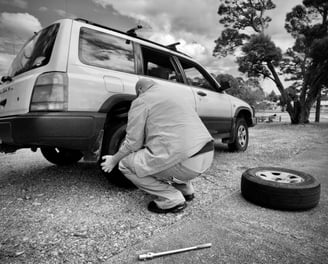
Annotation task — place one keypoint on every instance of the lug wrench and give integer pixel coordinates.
(151, 255)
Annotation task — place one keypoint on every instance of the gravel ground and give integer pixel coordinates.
(52, 214)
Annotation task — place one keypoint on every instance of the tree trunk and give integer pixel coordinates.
(306, 108)
(292, 109)
(317, 109)
(305, 113)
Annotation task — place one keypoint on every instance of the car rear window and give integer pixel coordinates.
(36, 52)
(106, 51)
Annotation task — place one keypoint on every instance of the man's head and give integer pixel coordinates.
(143, 85)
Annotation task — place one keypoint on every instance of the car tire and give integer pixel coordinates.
(61, 156)
(240, 142)
(113, 138)
(280, 188)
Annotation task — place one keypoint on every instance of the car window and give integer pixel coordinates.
(159, 65)
(104, 50)
(196, 76)
(36, 52)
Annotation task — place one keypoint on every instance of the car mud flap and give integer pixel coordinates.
(93, 154)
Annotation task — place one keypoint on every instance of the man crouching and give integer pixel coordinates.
(166, 146)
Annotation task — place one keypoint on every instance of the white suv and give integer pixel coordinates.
(69, 89)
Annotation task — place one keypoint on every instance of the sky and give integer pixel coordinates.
(194, 23)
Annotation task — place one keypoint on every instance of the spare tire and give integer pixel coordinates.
(280, 188)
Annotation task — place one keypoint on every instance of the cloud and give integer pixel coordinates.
(196, 25)
(276, 28)
(18, 25)
(17, 3)
(63, 13)
(193, 23)
(60, 12)
(43, 9)
(15, 29)
(170, 15)
(283, 41)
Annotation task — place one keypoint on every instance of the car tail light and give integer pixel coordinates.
(50, 92)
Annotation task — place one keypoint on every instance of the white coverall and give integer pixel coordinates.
(163, 133)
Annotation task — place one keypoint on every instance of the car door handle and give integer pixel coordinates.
(201, 93)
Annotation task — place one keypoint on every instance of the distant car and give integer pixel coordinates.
(69, 89)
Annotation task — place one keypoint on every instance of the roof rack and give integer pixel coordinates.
(173, 46)
(131, 33)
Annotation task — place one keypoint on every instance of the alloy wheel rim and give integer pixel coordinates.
(242, 136)
(279, 176)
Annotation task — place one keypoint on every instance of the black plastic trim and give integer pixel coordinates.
(251, 122)
(115, 100)
(72, 130)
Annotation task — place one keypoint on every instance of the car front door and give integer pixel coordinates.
(213, 107)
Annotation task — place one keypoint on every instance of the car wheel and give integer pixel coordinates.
(113, 139)
(61, 156)
(241, 136)
(280, 188)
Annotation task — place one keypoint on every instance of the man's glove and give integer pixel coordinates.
(108, 165)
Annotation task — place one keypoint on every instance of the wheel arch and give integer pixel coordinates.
(241, 112)
(117, 107)
(244, 112)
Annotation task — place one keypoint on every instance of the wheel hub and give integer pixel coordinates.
(242, 136)
(279, 176)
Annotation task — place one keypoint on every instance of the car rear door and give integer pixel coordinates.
(101, 64)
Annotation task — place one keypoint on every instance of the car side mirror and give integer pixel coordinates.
(224, 85)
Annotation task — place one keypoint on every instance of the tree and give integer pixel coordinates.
(273, 97)
(306, 63)
(250, 90)
(245, 23)
(233, 82)
(260, 55)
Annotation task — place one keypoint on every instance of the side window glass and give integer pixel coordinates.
(159, 65)
(106, 51)
(195, 77)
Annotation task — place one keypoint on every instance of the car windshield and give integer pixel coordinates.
(36, 52)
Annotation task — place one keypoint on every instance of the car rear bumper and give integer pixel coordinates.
(73, 130)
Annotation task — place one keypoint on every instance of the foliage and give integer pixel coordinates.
(257, 52)
(305, 63)
(233, 82)
(273, 97)
(250, 90)
(236, 16)
(259, 56)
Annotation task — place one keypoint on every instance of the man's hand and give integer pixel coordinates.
(108, 165)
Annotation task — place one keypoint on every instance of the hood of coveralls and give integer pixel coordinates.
(143, 85)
